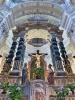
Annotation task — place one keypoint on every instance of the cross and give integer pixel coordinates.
(38, 55)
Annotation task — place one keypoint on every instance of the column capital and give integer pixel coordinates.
(14, 38)
(52, 34)
(22, 34)
(60, 38)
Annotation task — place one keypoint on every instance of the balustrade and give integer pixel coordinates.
(60, 80)
(63, 98)
(6, 97)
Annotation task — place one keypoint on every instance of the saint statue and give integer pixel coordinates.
(68, 66)
(24, 75)
(50, 75)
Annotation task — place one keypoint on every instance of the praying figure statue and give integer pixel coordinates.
(50, 75)
(24, 75)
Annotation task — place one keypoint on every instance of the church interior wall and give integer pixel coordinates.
(56, 19)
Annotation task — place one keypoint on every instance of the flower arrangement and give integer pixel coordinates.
(61, 93)
(71, 87)
(38, 71)
(14, 91)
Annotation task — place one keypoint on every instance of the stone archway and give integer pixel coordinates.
(32, 65)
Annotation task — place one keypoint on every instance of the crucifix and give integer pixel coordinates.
(37, 55)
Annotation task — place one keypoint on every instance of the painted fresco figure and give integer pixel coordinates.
(39, 96)
(42, 96)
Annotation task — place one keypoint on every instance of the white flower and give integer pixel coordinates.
(70, 92)
(18, 88)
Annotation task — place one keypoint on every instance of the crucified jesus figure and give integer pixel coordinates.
(37, 55)
(38, 60)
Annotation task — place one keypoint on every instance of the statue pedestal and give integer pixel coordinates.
(14, 77)
(61, 73)
(14, 72)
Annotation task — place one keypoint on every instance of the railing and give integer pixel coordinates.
(63, 80)
(25, 97)
(5, 97)
(10, 79)
(63, 98)
(58, 80)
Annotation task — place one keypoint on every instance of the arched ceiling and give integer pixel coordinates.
(24, 10)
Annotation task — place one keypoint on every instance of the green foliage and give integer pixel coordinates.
(15, 92)
(64, 91)
(61, 93)
(4, 85)
(38, 71)
(71, 86)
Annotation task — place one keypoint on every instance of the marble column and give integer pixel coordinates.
(8, 64)
(66, 62)
(56, 54)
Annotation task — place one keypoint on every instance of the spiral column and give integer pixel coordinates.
(56, 59)
(8, 64)
(66, 62)
(56, 54)
(18, 61)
